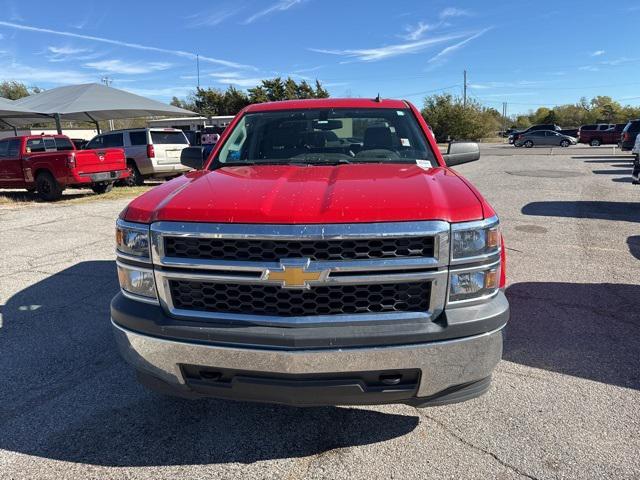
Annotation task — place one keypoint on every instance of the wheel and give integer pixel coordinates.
(517, 145)
(595, 142)
(101, 188)
(565, 143)
(528, 144)
(48, 189)
(135, 178)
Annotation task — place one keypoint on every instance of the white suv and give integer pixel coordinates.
(150, 152)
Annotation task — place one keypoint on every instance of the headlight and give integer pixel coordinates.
(474, 283)
(137, 282)
(132, 239)
(474, 240)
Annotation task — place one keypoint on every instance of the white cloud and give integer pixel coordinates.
(388, 51)
(41, 74)
(279, 6)
(239, 81)
(118, 66)
(66, 50)
(452, 48)
(225, 74)
(61, 54)
(416, 32)
(597, 53)
(165, 92)
(137, 46)
(211, 18)
(618, 61)
(454, 12)
(589, 68)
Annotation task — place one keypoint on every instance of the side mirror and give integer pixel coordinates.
(461, 152)
(192, 157)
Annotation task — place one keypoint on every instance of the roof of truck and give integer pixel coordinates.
(328, 103)
(28, 137)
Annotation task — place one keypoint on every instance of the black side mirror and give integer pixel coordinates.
(192, 157)
(461, 152)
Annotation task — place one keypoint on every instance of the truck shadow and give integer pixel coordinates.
(590, 331)
(65, 394)
(634, 245)
(603, 210)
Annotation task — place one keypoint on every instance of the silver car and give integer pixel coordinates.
(544, 138)
(150, 152)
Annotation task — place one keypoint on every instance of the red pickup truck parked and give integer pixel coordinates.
(50, 163)
(324, 254)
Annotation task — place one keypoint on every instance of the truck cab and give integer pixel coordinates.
(49, 164)
(325, 253)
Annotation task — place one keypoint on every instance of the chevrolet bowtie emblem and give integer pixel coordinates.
(295, 275)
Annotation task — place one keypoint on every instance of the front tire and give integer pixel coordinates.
(595, 142)
(48, 189)
(101, 188)
(528, 144)
(565, 143)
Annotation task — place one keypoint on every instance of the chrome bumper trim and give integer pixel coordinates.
(442, 364)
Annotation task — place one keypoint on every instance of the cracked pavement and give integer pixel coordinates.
(565, 401)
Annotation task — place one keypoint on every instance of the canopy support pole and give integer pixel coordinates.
(95, 122)
(56, 117)
(15, 130)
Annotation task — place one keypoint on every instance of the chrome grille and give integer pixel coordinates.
(325, 300)
(376, 272)
(315, 250)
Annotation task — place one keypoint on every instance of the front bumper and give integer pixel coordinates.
(444, 371)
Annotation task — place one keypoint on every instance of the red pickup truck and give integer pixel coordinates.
(324, 254)
(50, 163)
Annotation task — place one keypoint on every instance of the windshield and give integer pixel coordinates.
(169, 138)
(325, 136)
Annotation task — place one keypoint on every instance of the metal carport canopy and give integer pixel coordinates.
(13, 115)
(94, 102)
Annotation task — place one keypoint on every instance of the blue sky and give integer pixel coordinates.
(525, 53)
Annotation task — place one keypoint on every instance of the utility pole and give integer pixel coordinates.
(198, 69)
(464, 91)
(504, 116)
(108, 81)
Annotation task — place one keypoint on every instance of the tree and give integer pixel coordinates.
(212, 101)
(451, 119)
(14, 90)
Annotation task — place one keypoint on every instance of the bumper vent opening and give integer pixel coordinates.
(276, 301)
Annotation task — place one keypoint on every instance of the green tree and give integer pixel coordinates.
(451, 119)
(14, 90)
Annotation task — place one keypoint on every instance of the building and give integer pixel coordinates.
(192, 123)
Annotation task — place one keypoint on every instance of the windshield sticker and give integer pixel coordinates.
(424, 164)
(400, 113)
(405, 142)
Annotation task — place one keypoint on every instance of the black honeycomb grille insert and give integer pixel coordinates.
(318, 250)
(276, 301)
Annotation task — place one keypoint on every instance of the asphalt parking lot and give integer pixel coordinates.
(565, 401)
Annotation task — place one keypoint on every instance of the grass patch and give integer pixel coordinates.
(21, 197)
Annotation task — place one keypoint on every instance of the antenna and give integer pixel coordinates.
(377, 99)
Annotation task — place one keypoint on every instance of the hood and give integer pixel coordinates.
(288, 194)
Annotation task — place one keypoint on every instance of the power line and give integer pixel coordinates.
(427, 91)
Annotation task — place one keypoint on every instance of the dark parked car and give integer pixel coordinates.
(543, 126)
(544, 138)
(629, 135)
(79, 143)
